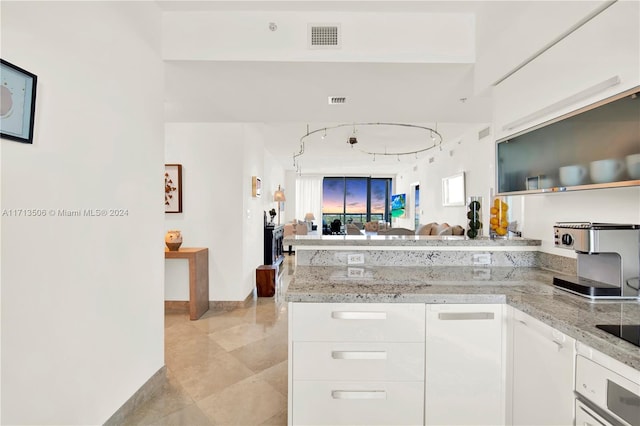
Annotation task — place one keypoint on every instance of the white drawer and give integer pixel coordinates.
(381, 361)
(358, 322)
(353, 403)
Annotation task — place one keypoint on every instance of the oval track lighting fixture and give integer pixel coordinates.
(435, 136)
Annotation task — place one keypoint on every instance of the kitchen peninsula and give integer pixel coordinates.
(423, 330)
(393, 250)
(527, 289)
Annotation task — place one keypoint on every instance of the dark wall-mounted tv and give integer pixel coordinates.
(398, 205)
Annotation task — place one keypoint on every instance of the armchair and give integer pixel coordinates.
(293, 229)
(352, 229)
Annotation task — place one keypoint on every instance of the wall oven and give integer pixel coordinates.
(607, 391)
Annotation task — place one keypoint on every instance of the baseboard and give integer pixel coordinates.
(227, 305)
(176, 306)
(138, 399)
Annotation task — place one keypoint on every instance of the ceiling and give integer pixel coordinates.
(288, 99)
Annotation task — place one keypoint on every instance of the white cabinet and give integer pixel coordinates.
(360, 363)
(542, 372)
(590, 55)
(464, 365)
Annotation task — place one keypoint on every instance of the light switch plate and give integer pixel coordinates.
(482, 259)
(355, 259)
(355, 272)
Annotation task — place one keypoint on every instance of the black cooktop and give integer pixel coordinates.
(630, 333)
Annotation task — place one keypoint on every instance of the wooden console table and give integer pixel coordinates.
(198, 278)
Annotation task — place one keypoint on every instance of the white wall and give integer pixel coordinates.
(255, 162)
(465, 154)
(82, 308)
(275, 175)
(218, 161)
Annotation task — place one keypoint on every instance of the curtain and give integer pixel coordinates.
(309, 198)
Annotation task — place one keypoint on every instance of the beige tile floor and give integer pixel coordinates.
(227, 368)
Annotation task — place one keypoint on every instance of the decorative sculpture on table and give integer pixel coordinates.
(272, 213)
(173, 240)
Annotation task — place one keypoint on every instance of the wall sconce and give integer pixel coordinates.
(279, 197)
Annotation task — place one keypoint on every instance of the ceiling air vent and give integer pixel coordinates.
(484, 133)
(324, 36)
(337, 100)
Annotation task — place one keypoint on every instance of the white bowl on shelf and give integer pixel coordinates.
(573, 175)
(605, 171)
(633, 166)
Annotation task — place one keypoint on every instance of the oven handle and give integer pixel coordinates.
(604, 415)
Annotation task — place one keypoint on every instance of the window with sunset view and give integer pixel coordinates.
(355, 199)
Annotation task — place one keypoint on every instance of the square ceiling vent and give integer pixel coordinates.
(324, 36)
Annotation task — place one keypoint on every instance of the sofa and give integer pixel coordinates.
(294, 228)
(376, 226)
(396, 231)
(434, 228)
(352, 229)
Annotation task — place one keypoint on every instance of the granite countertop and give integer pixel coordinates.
(407, 241)
(527, 289)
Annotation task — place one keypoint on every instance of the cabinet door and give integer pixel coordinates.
(464, 365)
(542, 373)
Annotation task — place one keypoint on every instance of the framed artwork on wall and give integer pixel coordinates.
(256, 186)
(173, 188)
(17, 102)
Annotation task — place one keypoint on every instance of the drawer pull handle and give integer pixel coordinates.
(359, 315)
(456, 316)
(342, 394)
(359, 354)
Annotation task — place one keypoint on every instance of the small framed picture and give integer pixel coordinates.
(17, 102)
(256, 186)
(173, 188)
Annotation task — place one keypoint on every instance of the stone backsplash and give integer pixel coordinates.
(436, 258)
